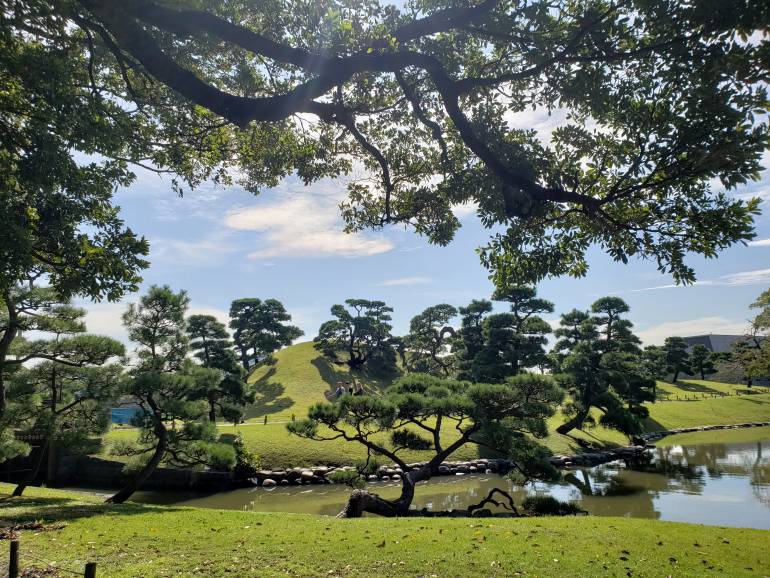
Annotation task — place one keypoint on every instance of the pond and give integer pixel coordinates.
(725, 484)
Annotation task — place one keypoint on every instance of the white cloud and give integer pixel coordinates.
(465, 210)
(405, 281)
(105, 318)
(210, 249)
(657, 334)
(755, 277)
(760, 243)
(303, 226)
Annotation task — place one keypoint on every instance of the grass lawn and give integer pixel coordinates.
(301, 377)
(144, 541)
(730, 436)
(696, 387)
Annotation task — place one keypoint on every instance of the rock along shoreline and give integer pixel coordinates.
(323, 474)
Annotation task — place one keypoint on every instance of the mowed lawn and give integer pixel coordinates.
(300, 377)
(135, 541)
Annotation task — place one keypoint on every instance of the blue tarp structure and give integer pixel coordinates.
(124, 415)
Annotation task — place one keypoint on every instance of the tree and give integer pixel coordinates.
(166, 385)
(72, 402)
(653, 363)
(212, 346)
(59, 396)
(505, 417)
(677, 357)
(671, 91)
(469, 339)
(617, 332)
(260, 328)
(752, 353)
(701, 361)
(513, 341)
(359, 335)
(32, 309)
(428, 341)
(601, 368)
(574, 327)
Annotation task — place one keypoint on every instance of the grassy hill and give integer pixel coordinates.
(300, 377)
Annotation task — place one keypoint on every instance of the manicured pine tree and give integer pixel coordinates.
(601, 368)
(260, 328)
(428, 342)
(359, 335)
(469, 339)
(166, 386)
(418, 411)
(211, 344)
(515, 340)
(701, 361)
(677, 357)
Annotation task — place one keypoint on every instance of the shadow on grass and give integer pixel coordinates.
(55, 509)
(269, 398)
(686, 387)
(373, 381)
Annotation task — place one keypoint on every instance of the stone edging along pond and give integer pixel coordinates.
(322, 474)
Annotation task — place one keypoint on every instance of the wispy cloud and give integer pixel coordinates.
(657, 334)
(303, 226)
(210, 249)
(760, 243)
(405, 281)
(755, 277)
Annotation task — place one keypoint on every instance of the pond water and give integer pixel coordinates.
(725, 484)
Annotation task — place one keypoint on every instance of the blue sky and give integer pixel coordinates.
(287, 243)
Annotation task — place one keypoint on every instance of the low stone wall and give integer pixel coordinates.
(96, 472)
(321, 475)
(652, 436)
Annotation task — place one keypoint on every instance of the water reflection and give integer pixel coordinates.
(721, 484)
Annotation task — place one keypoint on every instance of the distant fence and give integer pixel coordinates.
(700, 395)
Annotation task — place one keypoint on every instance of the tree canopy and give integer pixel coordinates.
(420, 411)
(359, 335)
(260, 328)
(658, 100)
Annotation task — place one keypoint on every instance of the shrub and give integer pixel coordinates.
(246, 462)
(550, 506)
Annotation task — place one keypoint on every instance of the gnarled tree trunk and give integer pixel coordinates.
(576, 421)
(160, 451)
(30, 479)
(361, 501)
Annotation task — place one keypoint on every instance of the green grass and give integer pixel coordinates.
(697, 387)
(301, 377)
(731, 436)
(149, 541)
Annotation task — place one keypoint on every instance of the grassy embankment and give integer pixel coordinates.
(144, 541)
(301, 377)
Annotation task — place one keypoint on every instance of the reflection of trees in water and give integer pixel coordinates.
(760, 477)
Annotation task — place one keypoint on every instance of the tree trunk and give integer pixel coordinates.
(576, 421)
(50, 474)
(361, 501)
(212, 411)
(142, 476)
(30, 479)
(676, 375)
